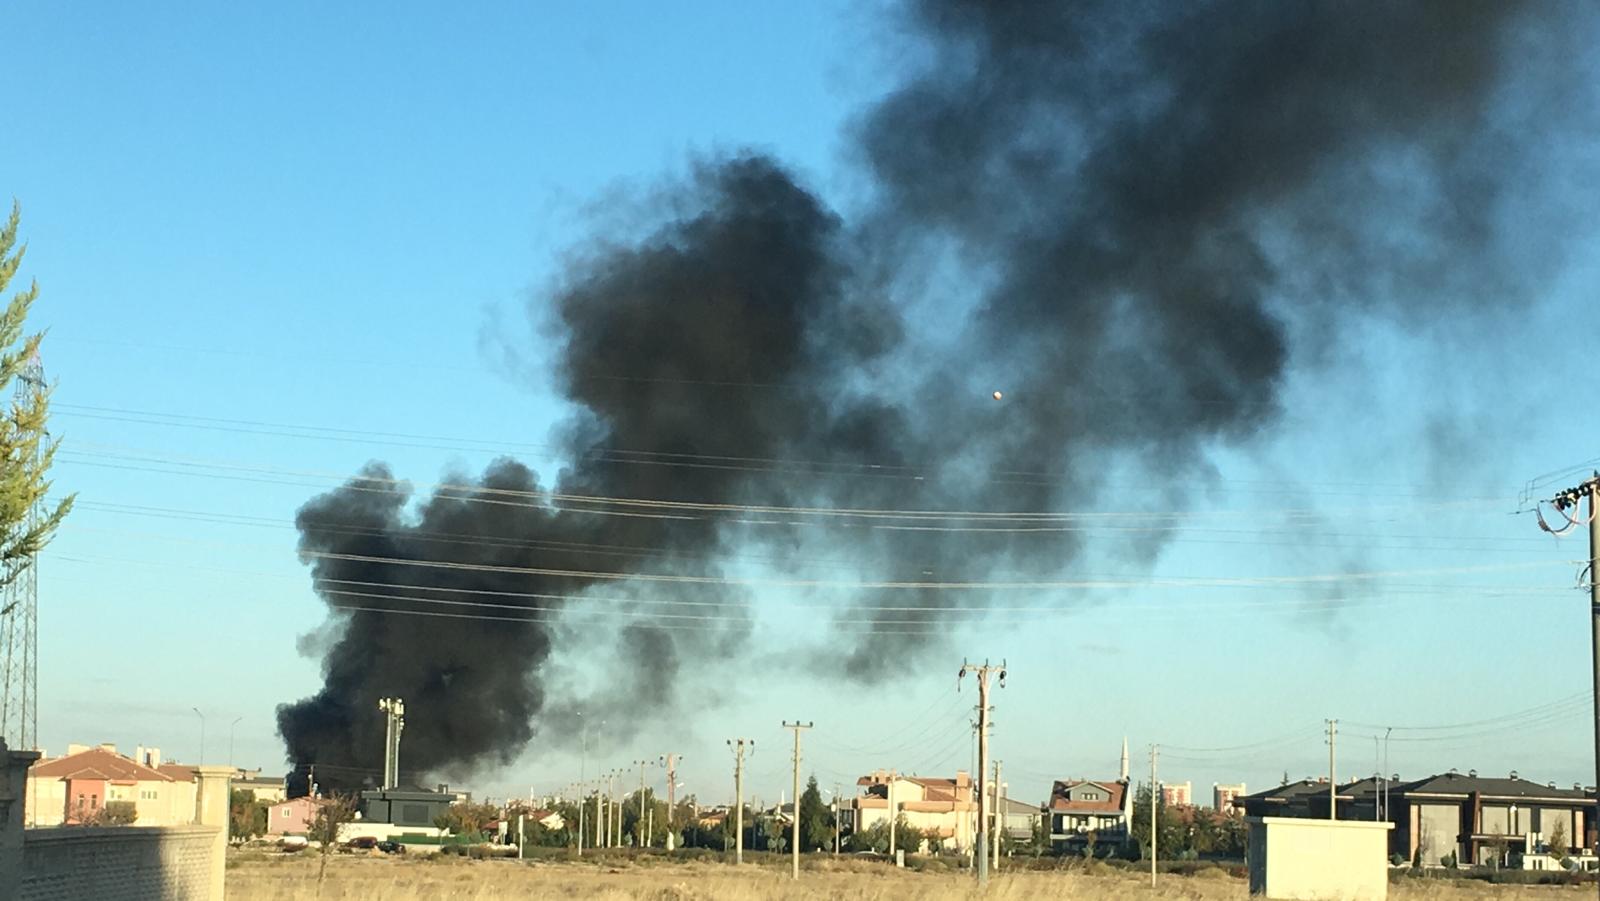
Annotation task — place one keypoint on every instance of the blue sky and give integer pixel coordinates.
(248, 224)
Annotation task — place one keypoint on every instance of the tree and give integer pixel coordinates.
(112, 813)
(334, 812)
(247, 817)
(816, 821)
(467, 819)
(1558, 841)
(25, 449)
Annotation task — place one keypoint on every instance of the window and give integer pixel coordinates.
(286, 813)
(1090, 796)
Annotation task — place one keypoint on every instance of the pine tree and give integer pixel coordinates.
(816, 821)
(25, 449)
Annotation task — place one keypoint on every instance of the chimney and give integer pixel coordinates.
(108, 746)
(76, 749)
(152, 757)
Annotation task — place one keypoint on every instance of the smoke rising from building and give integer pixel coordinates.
(1143, 201)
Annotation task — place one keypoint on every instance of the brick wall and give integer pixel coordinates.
(118, 863)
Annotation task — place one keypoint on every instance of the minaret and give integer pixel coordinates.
(1124, 776)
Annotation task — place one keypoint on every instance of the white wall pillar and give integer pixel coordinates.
(211, 803)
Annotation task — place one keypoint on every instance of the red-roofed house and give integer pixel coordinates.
(944, 809)
(1078, 807)
(67, 790)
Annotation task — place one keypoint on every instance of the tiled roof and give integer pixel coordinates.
(177, 771)
(96, 763)
(1114, 792)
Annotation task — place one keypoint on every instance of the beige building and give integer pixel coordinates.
(74, 788)
(1177, 794)
(944, 810)
(1222, 795)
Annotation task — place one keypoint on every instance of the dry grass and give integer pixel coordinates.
(285, 877)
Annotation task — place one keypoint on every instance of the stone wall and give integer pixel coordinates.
(118, 863)
(115, 863)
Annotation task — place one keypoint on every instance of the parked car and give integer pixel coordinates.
(360, 843)
(391, 847)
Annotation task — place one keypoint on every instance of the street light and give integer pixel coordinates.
(202, 734)
(230, 738)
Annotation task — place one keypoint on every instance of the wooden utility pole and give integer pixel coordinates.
(738, 745)
(1155, 803)
(980, 845)
(1569, 500)
(1333, 778)
(794, 831)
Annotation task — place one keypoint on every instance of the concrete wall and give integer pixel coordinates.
(1297, 858)
(158, 863)
(118, 863)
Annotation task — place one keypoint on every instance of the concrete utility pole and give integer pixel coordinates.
(983, 672)
(644, 837)
(1333, 779)
(738, 745)
(599, 816)
(1155, 803)
(995, 828)
(893, 819)
(836, 819)
(1564, 501)
(582, 803)
(794, 831)
(671, 761)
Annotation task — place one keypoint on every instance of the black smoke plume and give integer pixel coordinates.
(1122, 214)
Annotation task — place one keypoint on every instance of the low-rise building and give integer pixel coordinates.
(944, 810)
(1451, 817)
(294, 816)
(1079, 808)
(75, 788)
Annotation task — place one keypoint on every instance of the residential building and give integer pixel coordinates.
(1177, 794)
(1018, 818)
(1079, 808)
(945, 810)
(1222, 795)
(73, 788)
(1465, 818)
(294, 816)
(269, 789)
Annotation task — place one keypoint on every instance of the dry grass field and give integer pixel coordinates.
(286, 877)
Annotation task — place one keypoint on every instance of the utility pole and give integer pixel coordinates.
(738, 746)
(836, 819)
(1333, 780)
(1564, 501)
(1155, 802)
(794, 831)
(995, 827)
(893, 819)
(671, 761)
(582, 803)
(599, 816)
(983, 672)
(644, 837)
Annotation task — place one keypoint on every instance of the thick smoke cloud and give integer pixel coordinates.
(1141, 203)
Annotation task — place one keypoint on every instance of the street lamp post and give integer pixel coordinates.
(231, 727)
(202, 734)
